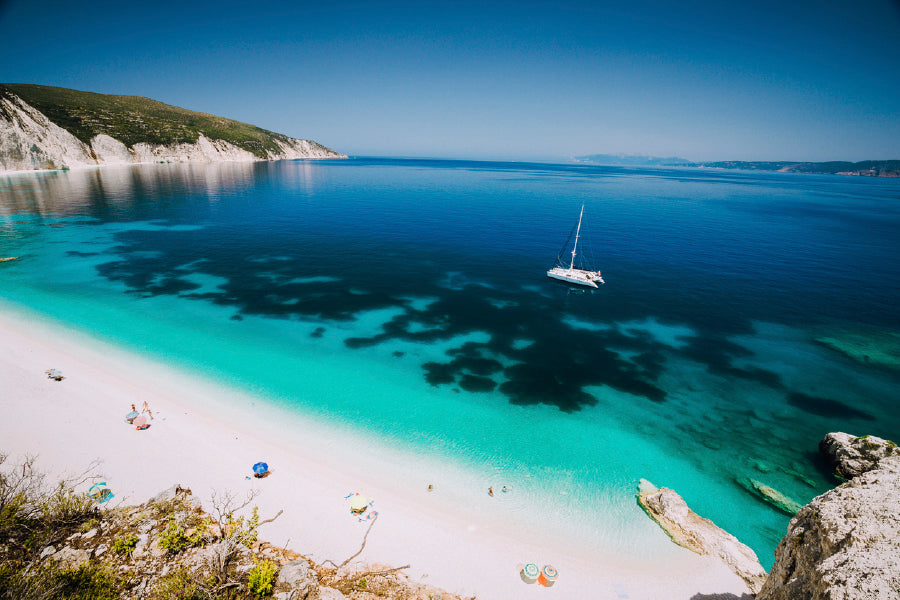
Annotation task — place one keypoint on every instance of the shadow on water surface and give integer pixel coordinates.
(554, 368)
(826, 407)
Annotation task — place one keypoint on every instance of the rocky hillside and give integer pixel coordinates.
(58, 544)
(845, 544)
(55, 128)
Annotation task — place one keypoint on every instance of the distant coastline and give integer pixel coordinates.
(865, 168)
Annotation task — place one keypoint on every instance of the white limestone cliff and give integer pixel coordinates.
(845, 544)
(30, 141)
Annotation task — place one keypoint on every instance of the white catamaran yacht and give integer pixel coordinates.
(573, 274)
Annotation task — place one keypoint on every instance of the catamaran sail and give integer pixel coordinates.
(573, 274)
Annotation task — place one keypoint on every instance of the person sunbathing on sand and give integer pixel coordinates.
(54, 374)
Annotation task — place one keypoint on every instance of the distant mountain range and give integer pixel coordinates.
(633, 160)
(44, 127)
(869, 168)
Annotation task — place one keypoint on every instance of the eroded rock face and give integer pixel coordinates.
(29, 140)
(852, 456)
(845, 544)
(688, 529)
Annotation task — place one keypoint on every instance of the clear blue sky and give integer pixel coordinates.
(780, 80)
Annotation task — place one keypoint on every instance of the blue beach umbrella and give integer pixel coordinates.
(260, 468)
(100, 493)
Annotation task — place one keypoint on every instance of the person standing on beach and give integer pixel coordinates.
(146, 409)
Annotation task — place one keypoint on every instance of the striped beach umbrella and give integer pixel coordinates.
(530, 573)
(548, 576)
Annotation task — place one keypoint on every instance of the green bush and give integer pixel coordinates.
(124, 544)
(243, 531)
(262, 577)
(178, 585)
(174, 539)
(66, 508)
(88, 582)
(34, 514)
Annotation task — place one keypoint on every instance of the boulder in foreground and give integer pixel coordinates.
(845, 544)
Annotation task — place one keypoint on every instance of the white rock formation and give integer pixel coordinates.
(845, 544)
(30, 141)
(688, 529)
(852, 456)
(110, 151)
(203, 150)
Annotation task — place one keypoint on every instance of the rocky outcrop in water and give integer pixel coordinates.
(688, 529)
(770, 495)
(845, 544)
(875, 347)
(29, 140)
(851, 456)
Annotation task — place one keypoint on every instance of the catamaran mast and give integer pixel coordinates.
(577, 233)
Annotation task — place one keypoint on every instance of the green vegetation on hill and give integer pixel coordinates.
(135, 119)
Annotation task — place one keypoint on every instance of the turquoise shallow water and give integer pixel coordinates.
(407, 300)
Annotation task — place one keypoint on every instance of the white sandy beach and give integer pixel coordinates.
(205, 436)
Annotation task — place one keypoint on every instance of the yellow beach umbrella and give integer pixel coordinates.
(358, 503)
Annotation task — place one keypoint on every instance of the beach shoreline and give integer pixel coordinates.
(205, 436)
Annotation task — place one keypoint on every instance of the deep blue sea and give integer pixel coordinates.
(408, 300)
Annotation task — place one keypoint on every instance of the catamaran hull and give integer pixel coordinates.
(576, 276)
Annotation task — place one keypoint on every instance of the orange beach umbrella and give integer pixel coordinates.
(548, 576)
